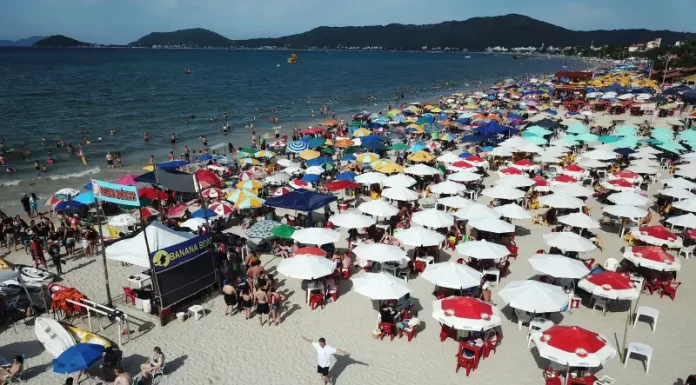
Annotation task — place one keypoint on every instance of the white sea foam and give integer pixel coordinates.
(10, 182)
(80, 174)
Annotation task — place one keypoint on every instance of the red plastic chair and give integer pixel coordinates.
(447, 331)
(411, 332)
(553, 381)
(490, 346)
(452, 245)
(651, 286)
(419, 266)
(316, 299)
(477, 350)
(129, 294)
(463, 362)
(504, 268)
(670, 288)
(346, 273)
(512, 248)
(333, 295)
(385, 329)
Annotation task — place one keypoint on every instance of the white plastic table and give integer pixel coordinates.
(640, 349)
(650, 312)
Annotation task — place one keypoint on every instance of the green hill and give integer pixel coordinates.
(60, 41)
(197, 37)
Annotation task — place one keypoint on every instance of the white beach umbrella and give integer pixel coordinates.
(286, 163)
(452, 275)
(625, 211)
(534, 296)
(672, 242)
(687, 173)
(369, 178)
(548, 158)
(558, 266)
(433, 218)
(421, 169)
(447, 187)
(600, 154)
(642, 162)
(687, 220)
(513, 211)
(492, 225)
(561, 201)
(503, 192)
(618, 185)
(652, 257)
(572, 190)
(677, 192)
(448, 157)
(515, 181)
(466, 313)
(483, 250)
(380, 252)
(124, 220)
(476, 210)
(686, 205)
(610, 284)
(679, 183)
(628, 198)
(573, 346)
(419, 236)
(316, 236)
(580, 220)
(502, 151)
(380, 286)
(314, 170)
(193, 223)
(400, 194)
(352, 220)
(464, 176)
(378, 208)
(306, 267)
(293, 170)
(399, 180)
(568, 241)
(528, 147)
(591, 163)
(643, 170)
(456, 202)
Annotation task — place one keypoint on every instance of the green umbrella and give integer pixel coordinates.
(356, 124)
(248, 150)
(626, 142)
(328, 166)
(283, 231)
(662, 133)
(399, 147)
(539, 131)
(353, 150)
(587, 137)
(578, 129)
(329, 150)
(671, 146)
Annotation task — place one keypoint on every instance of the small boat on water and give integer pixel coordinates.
(292, 59)
(53, 336)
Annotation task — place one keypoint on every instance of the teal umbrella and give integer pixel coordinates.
(538, 140)
(587, 137)
(569, 140)
(671, 146)
(627, 142)
(608, 139)
(625, 131)
(688, 135)
(662, 133)
(578, 129)
(537, 130)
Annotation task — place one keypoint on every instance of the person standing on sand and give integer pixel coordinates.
(324, 353)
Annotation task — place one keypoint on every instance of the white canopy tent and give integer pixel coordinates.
(133, 250)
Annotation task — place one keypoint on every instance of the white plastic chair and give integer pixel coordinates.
(611, 264)
(605, 380)
(522, 317)
(538, 324)
(687, 252)
(640, 349)
(598, 302)
(650, 312)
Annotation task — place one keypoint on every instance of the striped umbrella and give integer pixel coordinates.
(250, 161)
(367, 157)
(297, 146)
(212, 192)
(246, 175)
(222, 208)
(239, 194)
(249, 203)
(250, 184)
(265, 154)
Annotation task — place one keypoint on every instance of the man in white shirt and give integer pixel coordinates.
(324, 353)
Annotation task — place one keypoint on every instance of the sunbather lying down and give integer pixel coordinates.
(12, 371)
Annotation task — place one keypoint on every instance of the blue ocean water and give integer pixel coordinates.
(61, 93)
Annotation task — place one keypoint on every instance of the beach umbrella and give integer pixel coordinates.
(678, 193)
(380, 252)
(309, 154)
(558, 266)
(239, 194)
(204, 179)
(251, 185)
(652, 257)
(66, 192)
(293, 170)
(388, 167)
(515, 181)
(452, 275)
(264, 154)
(421, 170)
(263, 229)
(539, 131)
(202, 213)
(503, 192)
(67, 205)
(316, 142)
(568, 241)
(370, 178)
(177, 211)
(625, 211)
(578, 128)
(419, 236)
(193, 223)
(492, 225)
(283, 231)
(687, 221)
(352, 220)
(281, 191)
(310, 252)
(296, 147)
(77, 358)
(656, 235)
(510, 171)
(600, 154)
(378, 208)
(222, 208)
(626, 174)
(127, 180)
(212, 193)
(432, 218)
(591, 163)
(249, 161)
(86, 198)
(314, 170)
(367, 157)
(380, 286)
(310, 178)
(573, 170)
(572, 190)
(580, 220)
(610, 284)
(534, 296)
(400, 194)
(466, 313)
(122, 220)
(619, 185)
(573, 346)
(461, 166)
(563, 179)
(679, 183)
(447, 187)
(464, 176)
(399, 147)
(560, 201)
(249, 202)
(399, 180)
(476, 210)
(448, 157)
(343, 143)
(361, 132)
(53, 200)
(628, 198)
(513, 211)
(455, 201)
(483, 250)
(346, 175)
(306, 267)
(316, 236)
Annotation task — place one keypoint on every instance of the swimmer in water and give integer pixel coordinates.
(146, 136)
(43, 168)
(112, 132)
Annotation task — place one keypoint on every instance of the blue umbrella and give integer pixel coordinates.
(315, 142)
(465, 155)
(310, 178)
(348, 175)
(372, 138)
(625, 151)
(77, 358)
(319, 161)
(297, 146)
(201, 214)
(205, 157)
(88, 186)
(417, 147)
(86, 198)
(68, 205)
(348, 157)
(374, 146)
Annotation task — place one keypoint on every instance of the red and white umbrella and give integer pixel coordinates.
(299, 183)
(246, 175)
(610, 284)
(563, 179)
(618, 185)
(525, 165)
(476, 160)
(310, 251)
(212, 193)
(510, 171)
(573, 346)
(281, 191)
(146, 212)
(541, 184)
(627, 175)
(222, 208)
(177, 210)
(466, 313)
(657, 235)
(460, 165)
(652, 257)
(574, 171)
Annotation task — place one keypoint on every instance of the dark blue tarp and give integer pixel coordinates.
(172, 164)
(616, 87)
(474, 138)
(301, 200)
(493, 127)
(373, 138)
(546, 123)
(676, 90)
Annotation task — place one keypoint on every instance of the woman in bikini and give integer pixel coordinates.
(262, 306)
(152, 364)
(275, 299)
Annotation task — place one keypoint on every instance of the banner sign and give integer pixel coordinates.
(115, 193)
(180, 253)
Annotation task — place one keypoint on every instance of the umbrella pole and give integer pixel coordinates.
(567, 374)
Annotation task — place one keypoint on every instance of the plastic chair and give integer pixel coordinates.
(687, 252)
(316, 299)
(601, 303)
(411, 331)
(157, 372)
(589, 263)
(333, 294)
(129, 294)
(611, 264)
(651, 286)
(522, 317)
(670, 288)
(465, 362)
(640, 349)
(386, 328)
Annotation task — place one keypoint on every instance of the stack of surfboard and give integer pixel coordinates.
(57, 337)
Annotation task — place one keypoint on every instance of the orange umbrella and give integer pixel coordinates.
(331, 123)
(343, 143)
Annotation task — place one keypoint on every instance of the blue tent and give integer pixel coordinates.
(201, 214)
(301, 200)
(310, 178)
(319, 161)
(68, 206)
(493, 127)
(347, 175)
(172, 164)
(474, 138)
(374, 146)
(86, 198)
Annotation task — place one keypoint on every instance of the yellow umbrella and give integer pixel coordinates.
(389, 168)
(394, 111)
(328, 142)
(265, 154)
(149, 168)
(250, 184)
(309, 154)
(343, 143)
(237, 194)
(421, 156)
(250, 161)
(436, 110)
(471, 107)
(367, 157)
(410, 120)
(251, 202)
(362, 131)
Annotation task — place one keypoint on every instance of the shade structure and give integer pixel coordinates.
(283, 231)
(687, 220)
(456, 202)
(380, 286)
(309, 252)
(510, 171)
(421, 169)
(568, 241)
(452, 275)
(263, 229)
(378, 208)
(591, 163)
(212, 193)
(573, 346)
(515, 181)
(400, 194)
(477, 210)
(380, 252)
(643, 169)
(122, 220)
(503, 192)
(306, 267)
(483, 250)
(513, 211)
(222, 208)
(600, 154)
(561, 201)
(448, 157)
(679, 183)
(419, 236)
(625, 211)
(492, 225)
(66, 192)
(558, 266)
(657, 235)
(133, 250)
(352, 220)
(610, 284)
(534, 296)
(447, 187)
(464, 176)
(316, 236)
(652, 257)
(370, 178)
(399, 180)
(572, 190)
(686, 205)
(77, 358)
(678, 193)
(433, 218)
(580, 220)
(301, 200)
(466, 313)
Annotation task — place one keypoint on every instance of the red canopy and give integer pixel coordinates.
(621, 183)
(653, 253)
(152, 193)
(341, 184)
(314, 251)
(565, 179)
(466, 307)
(617, 281)
(572, 338)
(475, 159)
(659, 232)
(461, 164)
(540, 182)
(313, 130)
(626, 174)
(525, 163)
(511, 171)
(207, 178)
(177, 210)
(573, 168)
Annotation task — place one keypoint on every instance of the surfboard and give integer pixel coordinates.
(85, 336)
(53, 336)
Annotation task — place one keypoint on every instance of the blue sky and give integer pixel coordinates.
(123, 21)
